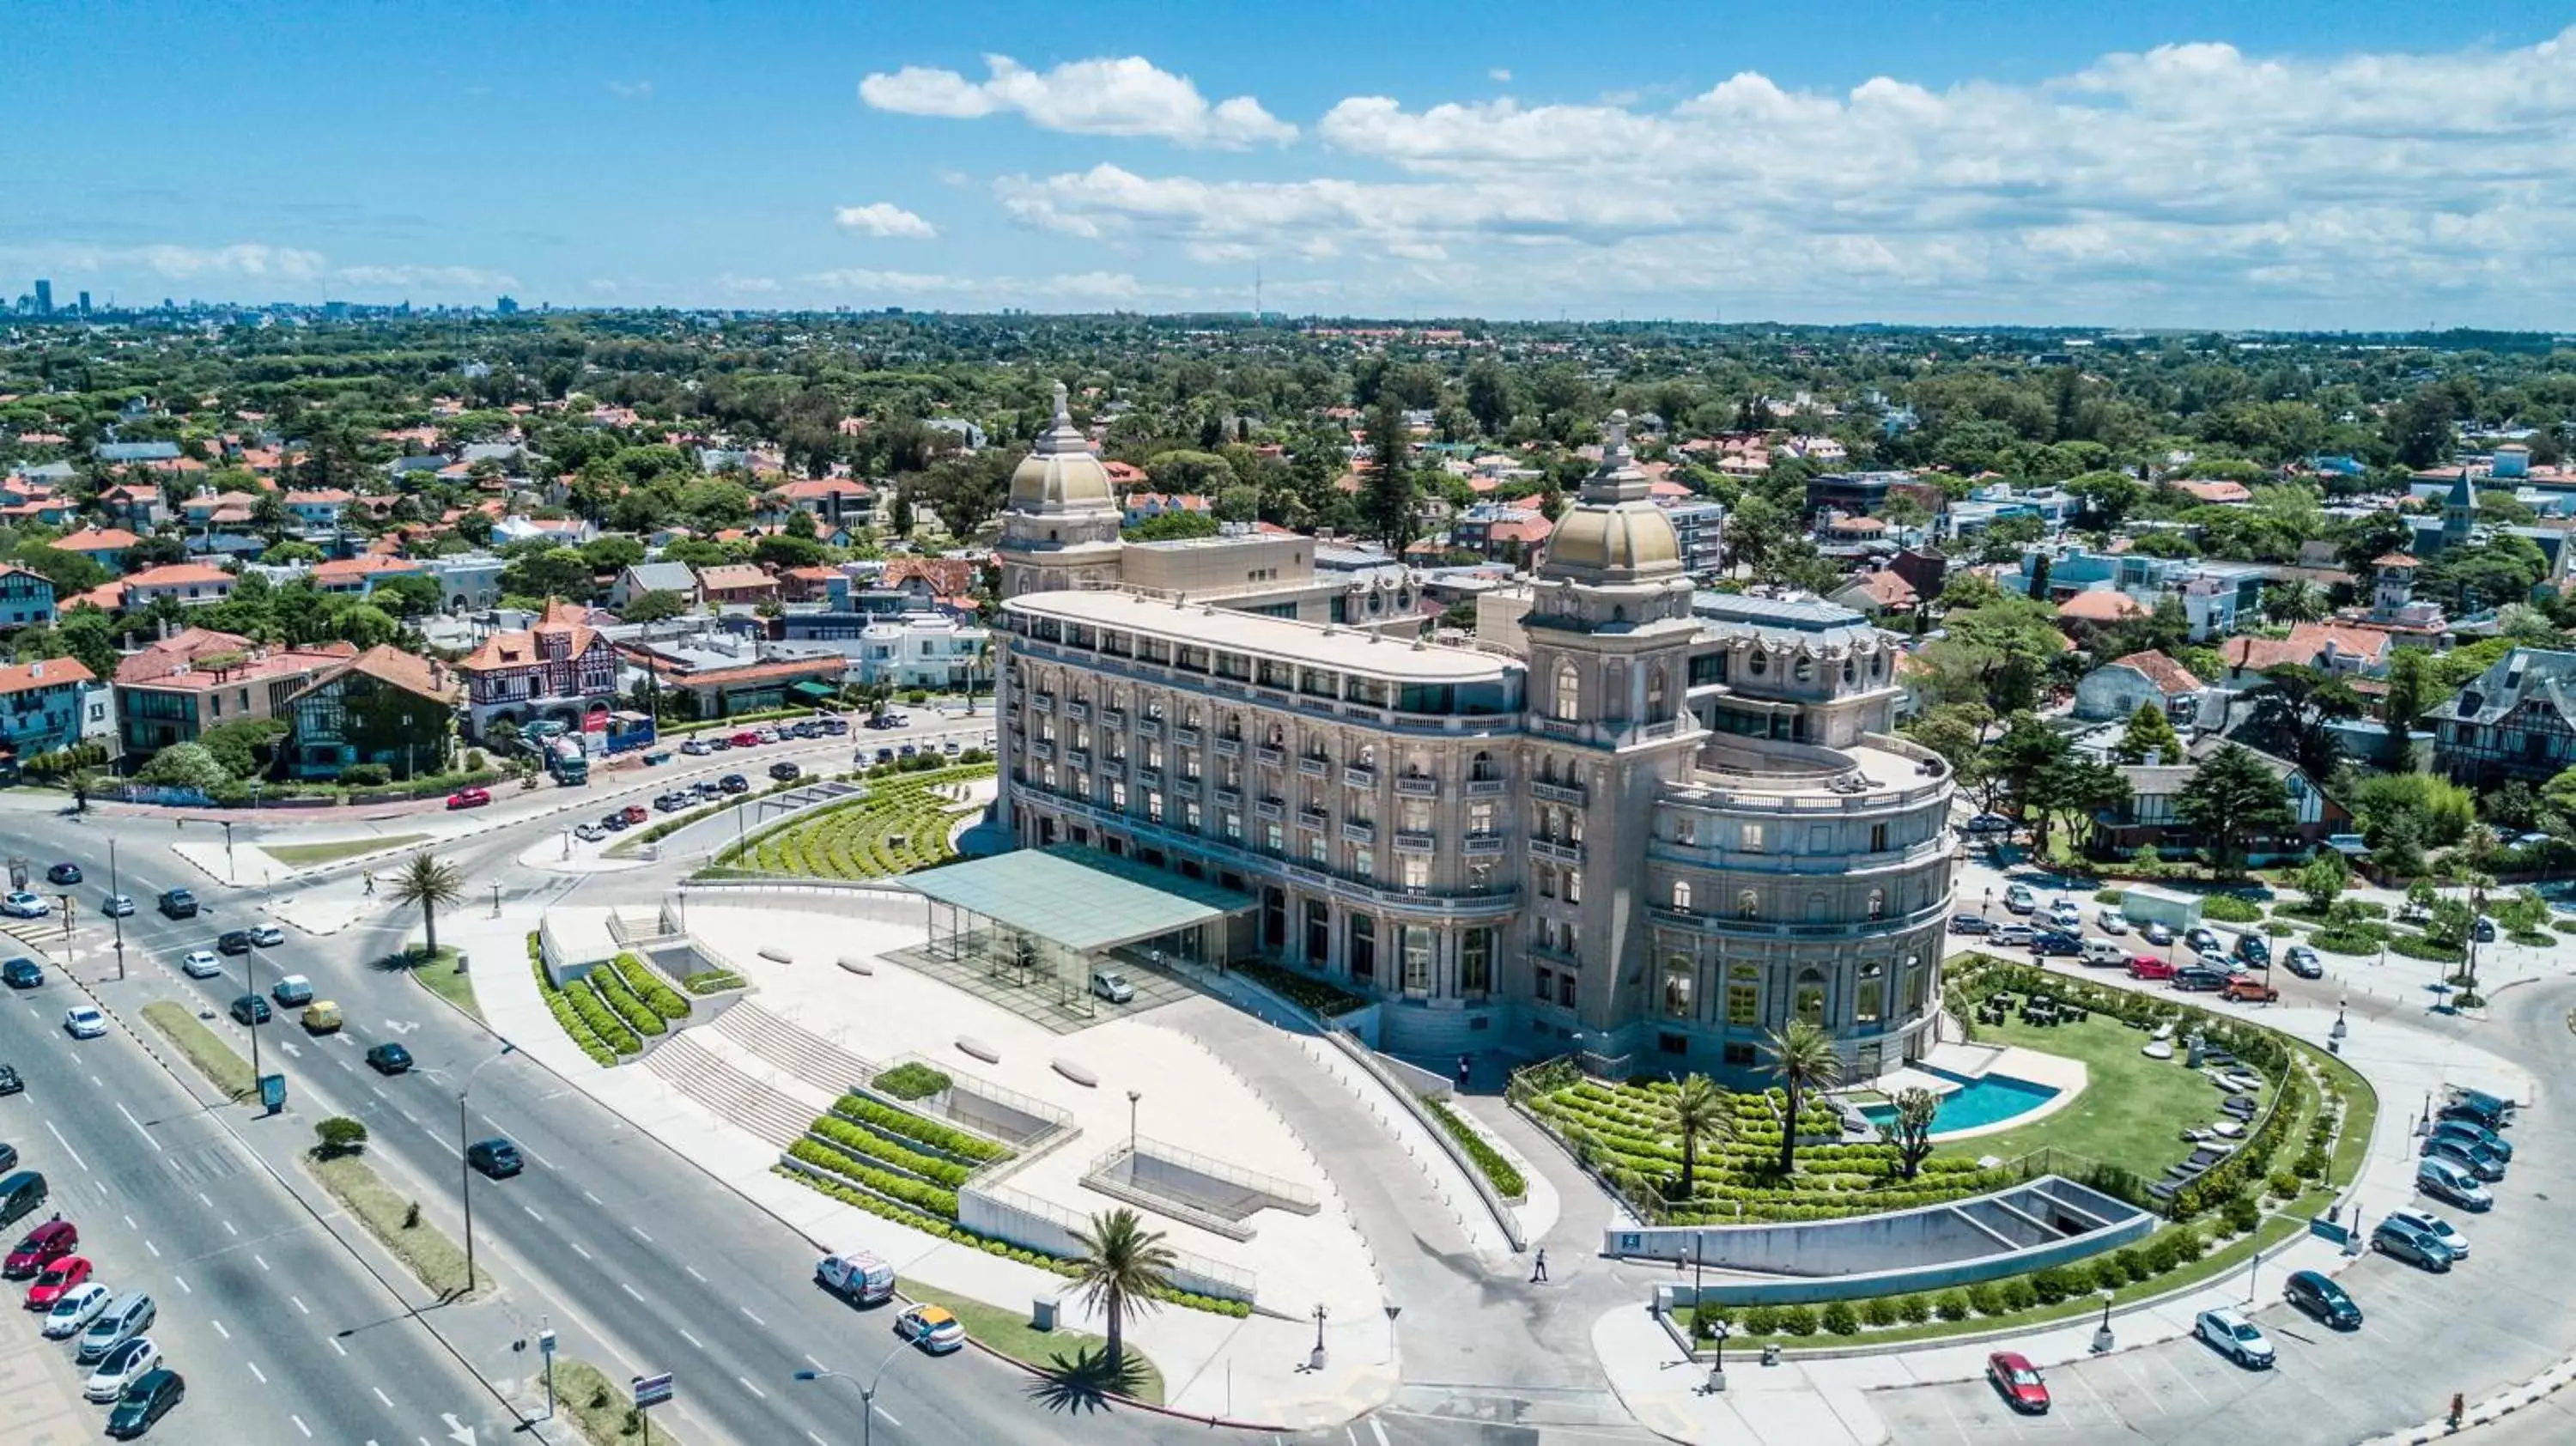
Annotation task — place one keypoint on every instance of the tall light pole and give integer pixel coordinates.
(1132, 1097)
(867, 1388)
(464, 1167)
(115, 915)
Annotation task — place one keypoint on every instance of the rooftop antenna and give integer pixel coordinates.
(1256, 293)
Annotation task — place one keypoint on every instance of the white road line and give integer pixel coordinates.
(693, 1274)
(630, 1292)
(155, 1249)
(291, 1416)
(184, 1287)
(263, 1377)
(219, 1329)
(138, 1127)
(755, 1320)
(381, 1396)
(335, 1345)
(533, 1215)
(692, 1340)
(889, 1418)
(263, 1263)
(745, 1383)
(1378, 1431)
(300, 1305)
(202, 1200)
(230, 1228)
(75, 1154)
(817, 1440)
(94, 1079)
(577, 1250)
(130, 1225)
(593, 1199)
(640, 1235)
(818, 1365)
(2130, 1365)
(533, 1155)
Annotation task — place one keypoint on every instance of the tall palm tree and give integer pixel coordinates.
(1802, 1059)
(431, 883)
(1701, 1116)
(1123, 1265)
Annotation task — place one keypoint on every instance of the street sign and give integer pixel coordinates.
(653, 1390)
(546, 1343)
(272, 1092)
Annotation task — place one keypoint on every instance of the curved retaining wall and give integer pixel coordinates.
(2048, 1221)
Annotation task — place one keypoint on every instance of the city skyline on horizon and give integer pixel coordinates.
(2189, 168)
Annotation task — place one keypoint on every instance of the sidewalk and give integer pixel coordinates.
(1808, 1401)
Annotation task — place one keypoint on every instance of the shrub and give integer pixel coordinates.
(1798, 1320)
(1505, 1177)
(648, 986)
(338, 1136)
(1952, 1305)
(2284, 1184)
(638, 1015)
(1914, 1309)
(1840, 1319)
(878, 1149)
(2277, 929)
(1762, 1320)
(712, 981)
(2137, 1264)
(911, 1080)
(2107, 896)
(1879, 1310)
(2020, 1294)
(1986, 1298)
(2054, 1284)
(2109, 1273)
(913, 1127)
(2241, 1213)
(932, 1198)
(2229, 909)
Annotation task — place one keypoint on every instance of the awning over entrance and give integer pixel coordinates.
(814, 692)
(1079, 898)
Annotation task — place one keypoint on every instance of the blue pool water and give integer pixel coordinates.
(1975, 1104)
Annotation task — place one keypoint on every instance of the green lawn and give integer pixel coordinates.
(314, 855)
(438, 1261)
(2132, 1111)
(204, 1048)
(441, 977)
(599, 1406)
(1009, 1332)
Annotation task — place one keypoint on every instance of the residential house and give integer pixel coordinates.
(470, 581)
(559, 669)
(360, 575)
(319, 510)
(2351, 649)
(384, 706)
(1143, 507)
(917, 650)
(2094, 609)
(26, 598)
(929, 581)
(40, 710)
(2151, 814)
(738, 583)
(565, 531)
(177, 688)
(2516, 720)
(643, 577)
(808, 584)
(2118, 688)
(842, 502)
(105, 546)
(190, 584)
(209, 508)
(2222, 494)
(1501, 532)
(1700, 529)
(1878, 593)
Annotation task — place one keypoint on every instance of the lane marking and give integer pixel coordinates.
(817, 1440)
(533, 1215)
(202, 1200)
(263, 1263)
(818, 1365)
(291, 1416)
(746, 1384)
(593, 1199)
(263, 1377)
(381, 1396)
(75, 1154)
(577, 1250)
(155, 1249)
(130, 1225)
(692, 1340)
(640, 1235)
(335, 1345)
(184, 1287)
(138, 1129)
(1378, 1431)
(229, 1227)
(889, 1418)
(630, 1292)
(300, 1305)
(755, 1320)
(693, 1274)
(94, 1079)
(533, 1155)
(219, 1329)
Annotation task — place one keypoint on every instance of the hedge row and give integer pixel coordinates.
(876, 1147)
(666, 1001)
(560, 1005)
(910, 1080)
(1505, 1176)
(913, 1127)
(638, 1015)
(903, 1188)
(713, 981)
(2163, 1252)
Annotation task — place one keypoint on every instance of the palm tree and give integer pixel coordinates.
(1701, 1116)
(1802, 1058)
(431, 883)
(1122, 1265)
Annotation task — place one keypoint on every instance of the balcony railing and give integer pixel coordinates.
(1271, 757)
(1358, 832)
(1564, 853)
(1149, 778)
(1042, 751)
(1481, 845)
(1572, 793)
(1042, 702)
(1354, 776)
(1113, 717)
(1779, 929)
(1229, 798)
(1078, 757)
(1270, 808)
(1229, 748)
(1487, 787)
(1415, 843)
(1314, 818)
(1417, 785)
(1149, 727)
(1077, 710)
(1185, 736)
(1314, 767)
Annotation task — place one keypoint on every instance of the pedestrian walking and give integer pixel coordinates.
(371, 883)
(1465, 1067)
(1538, 1272)
(2459, 1408)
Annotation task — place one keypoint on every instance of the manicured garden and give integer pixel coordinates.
(611, 1011)
(1303, 990)
(902, 824)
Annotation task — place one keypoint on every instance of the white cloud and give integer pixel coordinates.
(171, 262)
(430, 278)
(631, 89)
(1498, 73)
(1128, 96)
(1098, 288)
(884, 218)
(2175, 184)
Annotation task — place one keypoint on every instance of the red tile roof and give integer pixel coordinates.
(44, 673)
(2169, 676)
(947, 576)
(98, 539)
(2099, 605)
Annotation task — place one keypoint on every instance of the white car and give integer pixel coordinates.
(2425, 1222)
(24, 905)
(201, 964)
(2066, 916)
(73, 1312)
(2112, 922)
(123, 1367)
(2239, 1339)
(84, 1022)
(118, 906)
(267, 936)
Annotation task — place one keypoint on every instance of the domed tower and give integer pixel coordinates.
(1609, 629)
(1061, 530)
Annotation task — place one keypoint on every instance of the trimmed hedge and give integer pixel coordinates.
(665, 1001)
(576, 1025)
(911, 1080)
(1505, 1176)
(902, 1188)
(712, 981)
(2229, 909)
(929, 1167)
(914, 1127)
(638, 1015)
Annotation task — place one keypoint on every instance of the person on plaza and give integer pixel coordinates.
(1538, 1272)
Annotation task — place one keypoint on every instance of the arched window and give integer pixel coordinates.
(1569, 692)
(1869, 1000)
(1809, 997)
(1748, 905)
(1878, 903)
(1848, 670)
(1805, 669)
(1655, 690)
(1481, 768)
(1278, 736)
(1546, 770)
(1681, 894)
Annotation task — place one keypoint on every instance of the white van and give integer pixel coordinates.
(859, 1277)
(2104, 952)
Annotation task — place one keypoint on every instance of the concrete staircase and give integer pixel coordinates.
(708, 1078)
(794, 1048)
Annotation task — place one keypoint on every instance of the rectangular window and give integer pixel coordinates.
(1118, 794)
(1417, 816)
(1546, 881)
(1316, 851)
(1565, 990)
(1363, 862)
(1748, 837)
(1417, 959)
(1274, 838)
(1739, 1055)
(1743, 995)
(1417, 871)
(1546, 990)
(1476, 962)
(1878, 838)
(1480, 817)
(1573, 886)
(1672, 1044)
(1153, 806)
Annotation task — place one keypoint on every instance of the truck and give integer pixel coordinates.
(566, 761)
(860, 1277)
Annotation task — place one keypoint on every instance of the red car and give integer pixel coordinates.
(469, 798)
(746, 739)
(2148, 966)
(43, 1246)
(57, 1278)
(2019, 1381)
(637, 813)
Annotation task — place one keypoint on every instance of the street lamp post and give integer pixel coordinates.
(1315, 1362)
(1132, 1097)
(2102, 1332)
(464, 1167)
(1717, 1332)
(867, 1388)
(114, 916)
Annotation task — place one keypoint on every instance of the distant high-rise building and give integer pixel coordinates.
(506, 307)
(44, 297)
(84, 303)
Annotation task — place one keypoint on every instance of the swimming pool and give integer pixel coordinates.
(1975, 1104)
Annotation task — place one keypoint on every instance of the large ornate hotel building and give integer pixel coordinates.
(1652, 825)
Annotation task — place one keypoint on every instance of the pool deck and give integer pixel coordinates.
(1975, 1062)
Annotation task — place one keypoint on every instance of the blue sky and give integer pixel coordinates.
(2281, 164)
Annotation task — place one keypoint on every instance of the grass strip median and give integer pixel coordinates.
(1010, 1333)
(314, 855)
(444, 977)
(396, 1222)
(603, 1409)
(204, 1048)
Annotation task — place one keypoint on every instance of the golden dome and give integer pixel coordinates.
(1061, 473)
(1629, 537)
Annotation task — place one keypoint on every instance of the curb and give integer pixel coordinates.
(2494, 1408)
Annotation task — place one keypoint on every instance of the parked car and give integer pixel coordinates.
(860, 1278)
(145, 1402)
(745, 739)
(117, 906)
(250, 1010)
(2428, 1223)
(2053, 941)
(60, 1277)
(2253, 950)
(2452, 1183)
(932, 1328)
(2112, 921)
(2202, 940)
(784, 771)
(589, 832)
(734, 783)
(178, 904)
(389, 1059)
(695, 748)
(2013, 935)
(44, 1245)
(2476, 1134)
(2103, 953)
(469, 798)
(2246, 989)
(126, 1317)
(78, 1307)
(20, 904)
(496, 1158)
(22, 974)
(836, 726)
(121, 1368)
(201, 964)
(11, 1084)
(1970, 924)
(2475, 1157)
(83, 1022)
(2211, 959)
(2018, 1382)
(2493, 1111)
(2235, 1337)
(63, 873)
(2318, 1295)
(2301, 960)
(2485, 929)
(1990, 823)
(2066, 916)
(616, 822)
(671, 802)
(2148, 966)
(633, 813)
(1111, 985)
(2157, 933)
(2412, 1246)
(2198, 978)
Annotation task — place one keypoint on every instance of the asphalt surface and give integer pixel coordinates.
(281, 1333)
